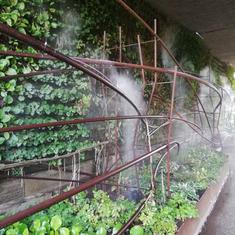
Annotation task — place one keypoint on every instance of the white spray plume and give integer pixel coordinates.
(67, 35)
(133, 91)
(227, 121)
(169, 38)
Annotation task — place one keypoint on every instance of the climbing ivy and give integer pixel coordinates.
(75, 28)
(42, 98)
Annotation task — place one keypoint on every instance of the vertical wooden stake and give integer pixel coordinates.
(104, 45)
(120, 43)
(22, 180)
(169, 136)
(155, 64)
(141, 61)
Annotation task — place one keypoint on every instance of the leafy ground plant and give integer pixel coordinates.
(162, 219)
(100, 215)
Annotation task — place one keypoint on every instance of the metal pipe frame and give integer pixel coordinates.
(96, 180)
(124, 65)
(78, 64)
(144, 23)
(87, 120)
(84, 65)
(148, 68)
(169, 134)
(142, 205)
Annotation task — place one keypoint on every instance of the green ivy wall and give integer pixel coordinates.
(67, 96)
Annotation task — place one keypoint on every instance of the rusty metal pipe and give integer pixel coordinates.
(133, 66)
(142, 205)
(50, 202)
(65, 180)
(77, 64)
(144, 23)
(134, 216)
(84, 120)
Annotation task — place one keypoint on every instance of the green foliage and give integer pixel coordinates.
(101, 210)
(56, 222)
(192, 172)
(189, 188)
(42, 98)
(99, 215)
(230, 71)
(162, 219)
(198, 167)
(181, 207)
(137, 230)
(190, 47)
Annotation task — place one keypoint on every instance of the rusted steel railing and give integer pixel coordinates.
(96, 180)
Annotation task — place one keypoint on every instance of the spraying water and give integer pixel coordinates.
(133, 91)
(67, 36)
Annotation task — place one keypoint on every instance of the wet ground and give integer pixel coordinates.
(222, 219)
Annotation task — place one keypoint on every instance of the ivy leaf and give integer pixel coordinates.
(2, 140)
(11, 232)
(21, 6)
(21, 98)
(116, 228)
(5, 118)
(13, 140)
(9, 22)
(137, 230)
(101, 231)
(56, 222)
(13, 2)
(76, 229)
(6, 135)
(10, 86)
(64, 231)
(14, 16)
(36, 224)
(54, 25)
(23, 229)
(28, 86)
(3, 93)
(4, 63)
(22, 30)
(11, 71)
(8, 99)
(26, 70)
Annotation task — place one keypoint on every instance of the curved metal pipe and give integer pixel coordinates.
(159, 127)
(163, 156)
(85, 120)
(52, 201)
(142, 205)
(134, 216)
(123, 65)
(144, 23)
(77, 64)
(118, 64)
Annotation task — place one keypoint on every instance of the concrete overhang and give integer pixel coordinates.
(214, 20)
